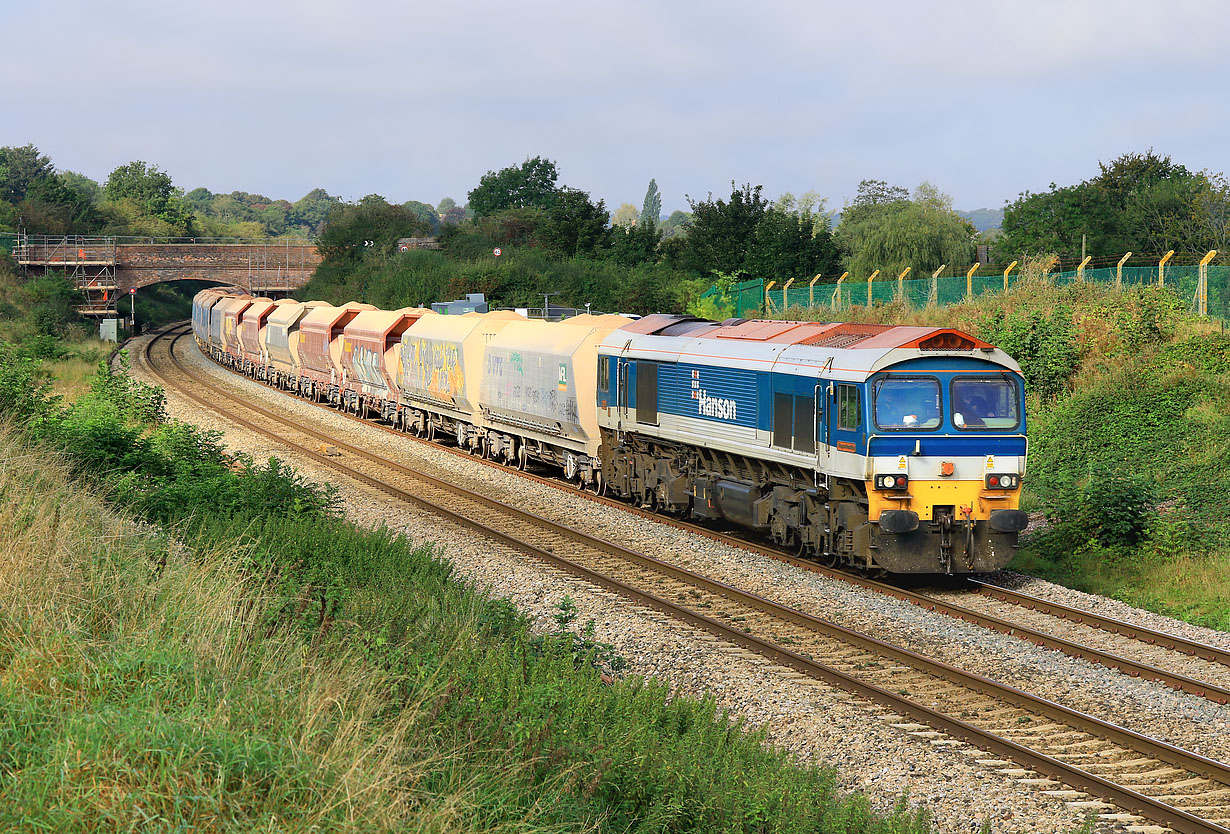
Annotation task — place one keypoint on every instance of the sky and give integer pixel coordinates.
(418, 100)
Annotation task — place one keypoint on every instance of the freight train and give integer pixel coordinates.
(886, 449)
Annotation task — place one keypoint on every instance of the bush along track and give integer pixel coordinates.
(208, 645)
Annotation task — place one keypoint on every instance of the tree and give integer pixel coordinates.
(651, 210)
(890, 233)
(573, 225)
(528, 185)
(312, 211)
(88, 192)
(445, 204)
(426, 213)
(374, 219)
(1140, 202)
(722, 230)
(790, 242)
(873, 194)
(19, 169)
(676, 225)
(625, 216)
(150, 189)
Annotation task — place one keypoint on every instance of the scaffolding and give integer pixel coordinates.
(87, 262)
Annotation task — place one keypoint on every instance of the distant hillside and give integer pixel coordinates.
(984, 218)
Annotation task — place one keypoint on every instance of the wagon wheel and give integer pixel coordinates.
(523, 456)
(599, 483)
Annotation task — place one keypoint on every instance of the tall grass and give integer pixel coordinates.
(256, 662)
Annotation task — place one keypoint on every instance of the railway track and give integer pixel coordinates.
(1155, 780)
(1185, 665)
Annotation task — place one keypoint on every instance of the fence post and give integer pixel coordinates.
(1161, 268)
(901, 284)
(969, 282)
(811, 291)
(1006, 271)
(786, 295)
(1202, 288)
(1119, 271)
(933, 297)
(1080, 270)
(768, 302)
(869, 281)
(836, 302)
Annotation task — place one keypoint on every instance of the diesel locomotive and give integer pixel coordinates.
(894, 449)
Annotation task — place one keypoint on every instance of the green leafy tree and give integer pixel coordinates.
(425, 213)
(312, 211)
(86, 190)
(889, 233)
(152, 191)
(677, 225)
(790, 241)
(528, 185)
(1137, 202)
(651, 210)
(722, 231)
(372, 219)
(625, 217)
(19, 169)
(573, 225)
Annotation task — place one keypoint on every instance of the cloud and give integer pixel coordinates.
(417, 100)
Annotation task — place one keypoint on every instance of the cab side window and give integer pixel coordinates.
(849, 407)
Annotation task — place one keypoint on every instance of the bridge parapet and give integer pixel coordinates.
(105, 268)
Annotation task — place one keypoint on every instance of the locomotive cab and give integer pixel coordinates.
(945, 459)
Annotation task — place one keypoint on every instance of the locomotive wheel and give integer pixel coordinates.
(599, 483)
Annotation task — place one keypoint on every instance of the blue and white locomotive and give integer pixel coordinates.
(892, 448)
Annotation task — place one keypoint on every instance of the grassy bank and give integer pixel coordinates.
(1129, 410)
(194, 642)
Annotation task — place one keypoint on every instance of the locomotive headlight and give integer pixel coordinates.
(1005, 481)
(891, 481)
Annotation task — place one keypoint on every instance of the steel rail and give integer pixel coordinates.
(1184, 683)
(1173, 642)
(1124, 797)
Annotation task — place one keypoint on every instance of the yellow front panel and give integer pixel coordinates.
(923, 496)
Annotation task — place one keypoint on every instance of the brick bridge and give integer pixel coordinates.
(106, 268)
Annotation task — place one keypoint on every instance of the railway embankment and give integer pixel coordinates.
(194, 637)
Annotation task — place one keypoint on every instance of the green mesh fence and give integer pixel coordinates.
(1184, 280)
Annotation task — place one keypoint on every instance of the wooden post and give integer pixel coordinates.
(1119, 271)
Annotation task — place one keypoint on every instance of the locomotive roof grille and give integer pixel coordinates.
(845, 335)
